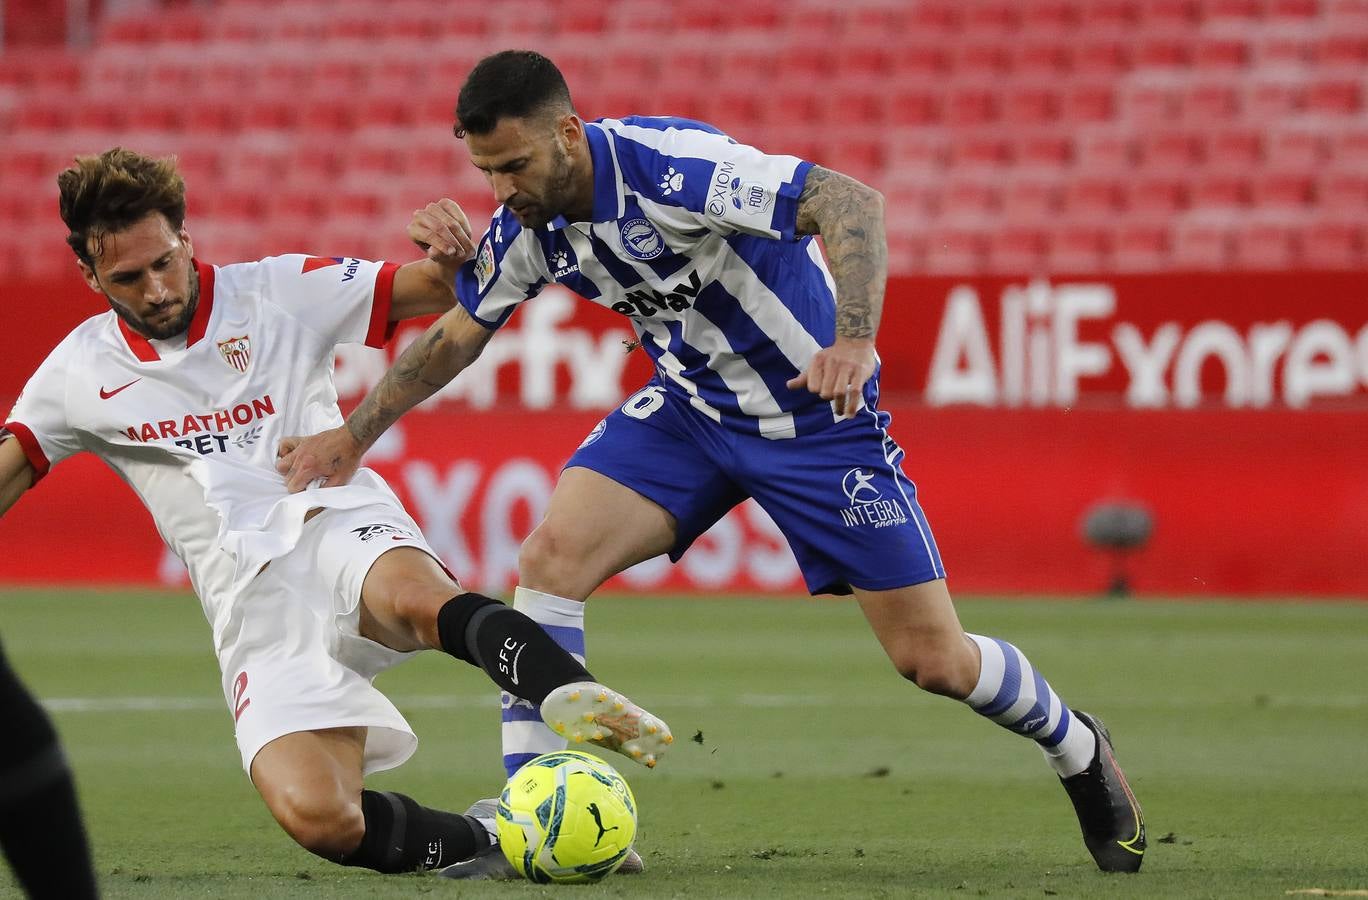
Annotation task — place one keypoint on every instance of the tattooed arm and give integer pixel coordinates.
(849, 217)
(453, 342)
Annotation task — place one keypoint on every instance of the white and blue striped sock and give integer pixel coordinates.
(1013, 694)
(525, 736)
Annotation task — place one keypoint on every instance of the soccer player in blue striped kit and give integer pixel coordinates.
(765, 386)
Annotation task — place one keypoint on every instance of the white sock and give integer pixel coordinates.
(1013, 694)
(525, 735)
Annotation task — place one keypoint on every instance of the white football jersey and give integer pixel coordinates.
(194, 432)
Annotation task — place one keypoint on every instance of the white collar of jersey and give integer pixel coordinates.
(142, 348)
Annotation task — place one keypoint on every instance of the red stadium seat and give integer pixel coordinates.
(1237, 149)
(1220, 54)
(1109, 15)
(1333, 245)
(1092, 198)
(1293, 10)
(1030, 105)
(1145, 105)
(918, 153)
(1201, 246)
(992, 17)
(980, 150)
(918, 61)
(1046, 150)
(1209, 103)
(906, 254)
(1346, 50)
(1163, 53)
(1017, 251)
(1220, 191)
(980, 60)
(956, 251)
(966, 196)
(1273, 100)
(209, 117)
(1078, 248)
(1028, 200)
(1140, 248)
(1283, 190)
(1303, 149)
(1050, 17)
(1264, 246)
(1283, 49)
(1338, 96)
(1103, 57)
(914, 106)
(1084, 103)
(1170, 150)
(1238, 11)
(1343, 192)
(1349, 147)
(971, 106)
(1105, 152)
(1169, 13)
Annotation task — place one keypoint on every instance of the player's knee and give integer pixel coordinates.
(416, 602)
(327, 825)
(546, 559)
(937, 672)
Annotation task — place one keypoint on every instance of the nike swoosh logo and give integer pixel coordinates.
(105, 395)
(514, 674)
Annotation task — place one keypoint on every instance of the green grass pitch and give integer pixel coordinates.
(802, 766)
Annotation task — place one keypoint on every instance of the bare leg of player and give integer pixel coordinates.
(312, 784)
(921, 634)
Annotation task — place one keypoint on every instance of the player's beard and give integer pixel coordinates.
(557, 195)
(168, 329)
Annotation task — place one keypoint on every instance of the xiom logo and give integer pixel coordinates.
(866, 503)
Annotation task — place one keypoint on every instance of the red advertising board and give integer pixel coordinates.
(1234, 409)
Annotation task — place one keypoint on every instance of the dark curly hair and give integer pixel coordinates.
(109, 192)
(509, 84)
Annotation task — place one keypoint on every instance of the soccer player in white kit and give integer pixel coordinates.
(185, 388)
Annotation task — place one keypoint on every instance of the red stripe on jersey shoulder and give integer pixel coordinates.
(381, 328)
(319, 262)
(32, 449)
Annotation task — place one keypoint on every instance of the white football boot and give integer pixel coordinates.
(588, 712)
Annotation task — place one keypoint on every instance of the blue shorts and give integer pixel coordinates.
(839, 496)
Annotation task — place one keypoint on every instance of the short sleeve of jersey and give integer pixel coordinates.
(506, 270)
(347, 300)
(731, 186)
(39, 418)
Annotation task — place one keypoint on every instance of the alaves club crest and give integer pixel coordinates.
(237, 352)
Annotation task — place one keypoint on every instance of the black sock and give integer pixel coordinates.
(40, 821)
(517, 653)
(402, 836)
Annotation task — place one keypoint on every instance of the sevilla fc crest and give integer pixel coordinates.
(237, 352)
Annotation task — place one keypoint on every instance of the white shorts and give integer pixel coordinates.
(291, 654)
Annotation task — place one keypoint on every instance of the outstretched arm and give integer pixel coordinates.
(850, 218)
(16, 472)
(452, 342)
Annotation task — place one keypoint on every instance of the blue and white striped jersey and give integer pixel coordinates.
(693, 239)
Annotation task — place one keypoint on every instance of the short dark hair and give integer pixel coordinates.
(511, 84)
(109, 192)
